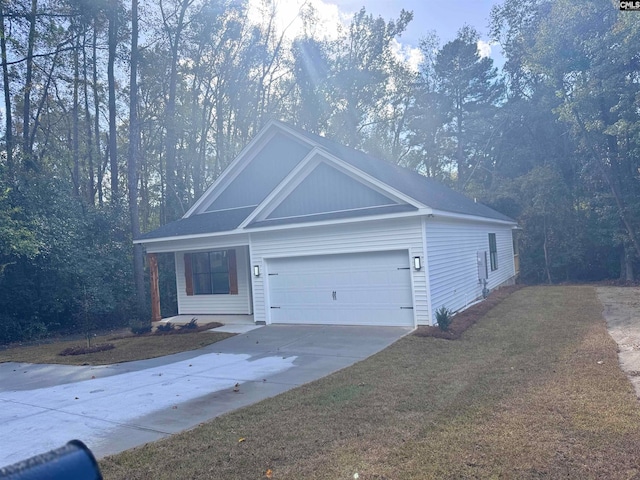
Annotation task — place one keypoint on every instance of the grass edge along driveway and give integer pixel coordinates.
(532, 390)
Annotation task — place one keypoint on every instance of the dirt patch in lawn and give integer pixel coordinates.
(533, 391)
(621, 310)
(126, 347)
(463, 320)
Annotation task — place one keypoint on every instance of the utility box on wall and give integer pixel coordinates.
(483, 271)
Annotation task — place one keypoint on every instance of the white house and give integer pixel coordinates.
(300, 229)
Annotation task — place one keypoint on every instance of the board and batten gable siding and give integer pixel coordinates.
(379, 235)
(239, 304)
(452, 253)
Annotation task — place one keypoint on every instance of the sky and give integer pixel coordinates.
(445, 17)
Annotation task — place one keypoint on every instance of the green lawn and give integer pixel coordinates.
(533, 390)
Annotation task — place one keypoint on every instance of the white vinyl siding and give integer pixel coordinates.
(453, 248)
(239, 304)
(373, 236)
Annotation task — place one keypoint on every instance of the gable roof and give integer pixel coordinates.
(430, 193)
(426, 190)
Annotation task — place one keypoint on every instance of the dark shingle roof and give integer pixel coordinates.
(202, 223)
(335, 215)
(427, 191)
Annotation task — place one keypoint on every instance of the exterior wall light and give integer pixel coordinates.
(256, 270)
(417, 263)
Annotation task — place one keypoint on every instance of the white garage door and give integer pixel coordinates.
(371, 288)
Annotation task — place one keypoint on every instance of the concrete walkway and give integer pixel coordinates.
(116, 407)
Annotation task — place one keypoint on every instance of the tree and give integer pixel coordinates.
(132, 165)
(173, 24)
(113, 11)
(468, 93)
(7, 95)
(362, 66)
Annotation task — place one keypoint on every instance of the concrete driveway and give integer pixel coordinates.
(116, 407)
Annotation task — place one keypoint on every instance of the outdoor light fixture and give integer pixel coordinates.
(256, 270)
(417, 264)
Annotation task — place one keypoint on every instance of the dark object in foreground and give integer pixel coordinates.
(74, 461)
(463, 320)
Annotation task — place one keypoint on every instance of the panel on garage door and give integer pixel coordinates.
(372, 288)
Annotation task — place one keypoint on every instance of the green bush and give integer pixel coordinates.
(443, 316)
(140, 328)
(192, 325)
(165, 327)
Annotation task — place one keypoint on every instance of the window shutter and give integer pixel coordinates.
(233, 272)
(188, 274)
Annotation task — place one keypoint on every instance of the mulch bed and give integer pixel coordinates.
(79, 350)
(463, 320)
(178, 329)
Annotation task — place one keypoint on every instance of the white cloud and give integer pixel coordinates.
(484, 48)
(413, 56)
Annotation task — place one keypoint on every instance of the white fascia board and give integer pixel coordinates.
(186, 243)
(284, 188)
(474, 218)
(233, 170)
(317, 223)
(290, 226)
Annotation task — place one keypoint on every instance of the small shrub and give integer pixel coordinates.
(192, 325)
(443, 316)
(165, 327)
(141, 328)
(82, 350)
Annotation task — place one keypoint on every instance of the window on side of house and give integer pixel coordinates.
(493, 251)
(210, 272)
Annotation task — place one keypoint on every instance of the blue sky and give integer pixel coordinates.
(443, 16)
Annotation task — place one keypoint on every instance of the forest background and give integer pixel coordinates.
(118, 115)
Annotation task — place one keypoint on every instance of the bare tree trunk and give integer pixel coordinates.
(132, 165)
(173, 204)
(7, 97)
(113, 146)
(626, 265)
(546, 254)
(96, 115)
(26, 110)
(75, 144)
(91, 192)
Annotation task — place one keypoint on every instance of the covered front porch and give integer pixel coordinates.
(213, 284)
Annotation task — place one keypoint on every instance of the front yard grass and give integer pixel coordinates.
(128, 347)
(533, 390)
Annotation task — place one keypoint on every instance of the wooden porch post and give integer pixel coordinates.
(155, 289)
